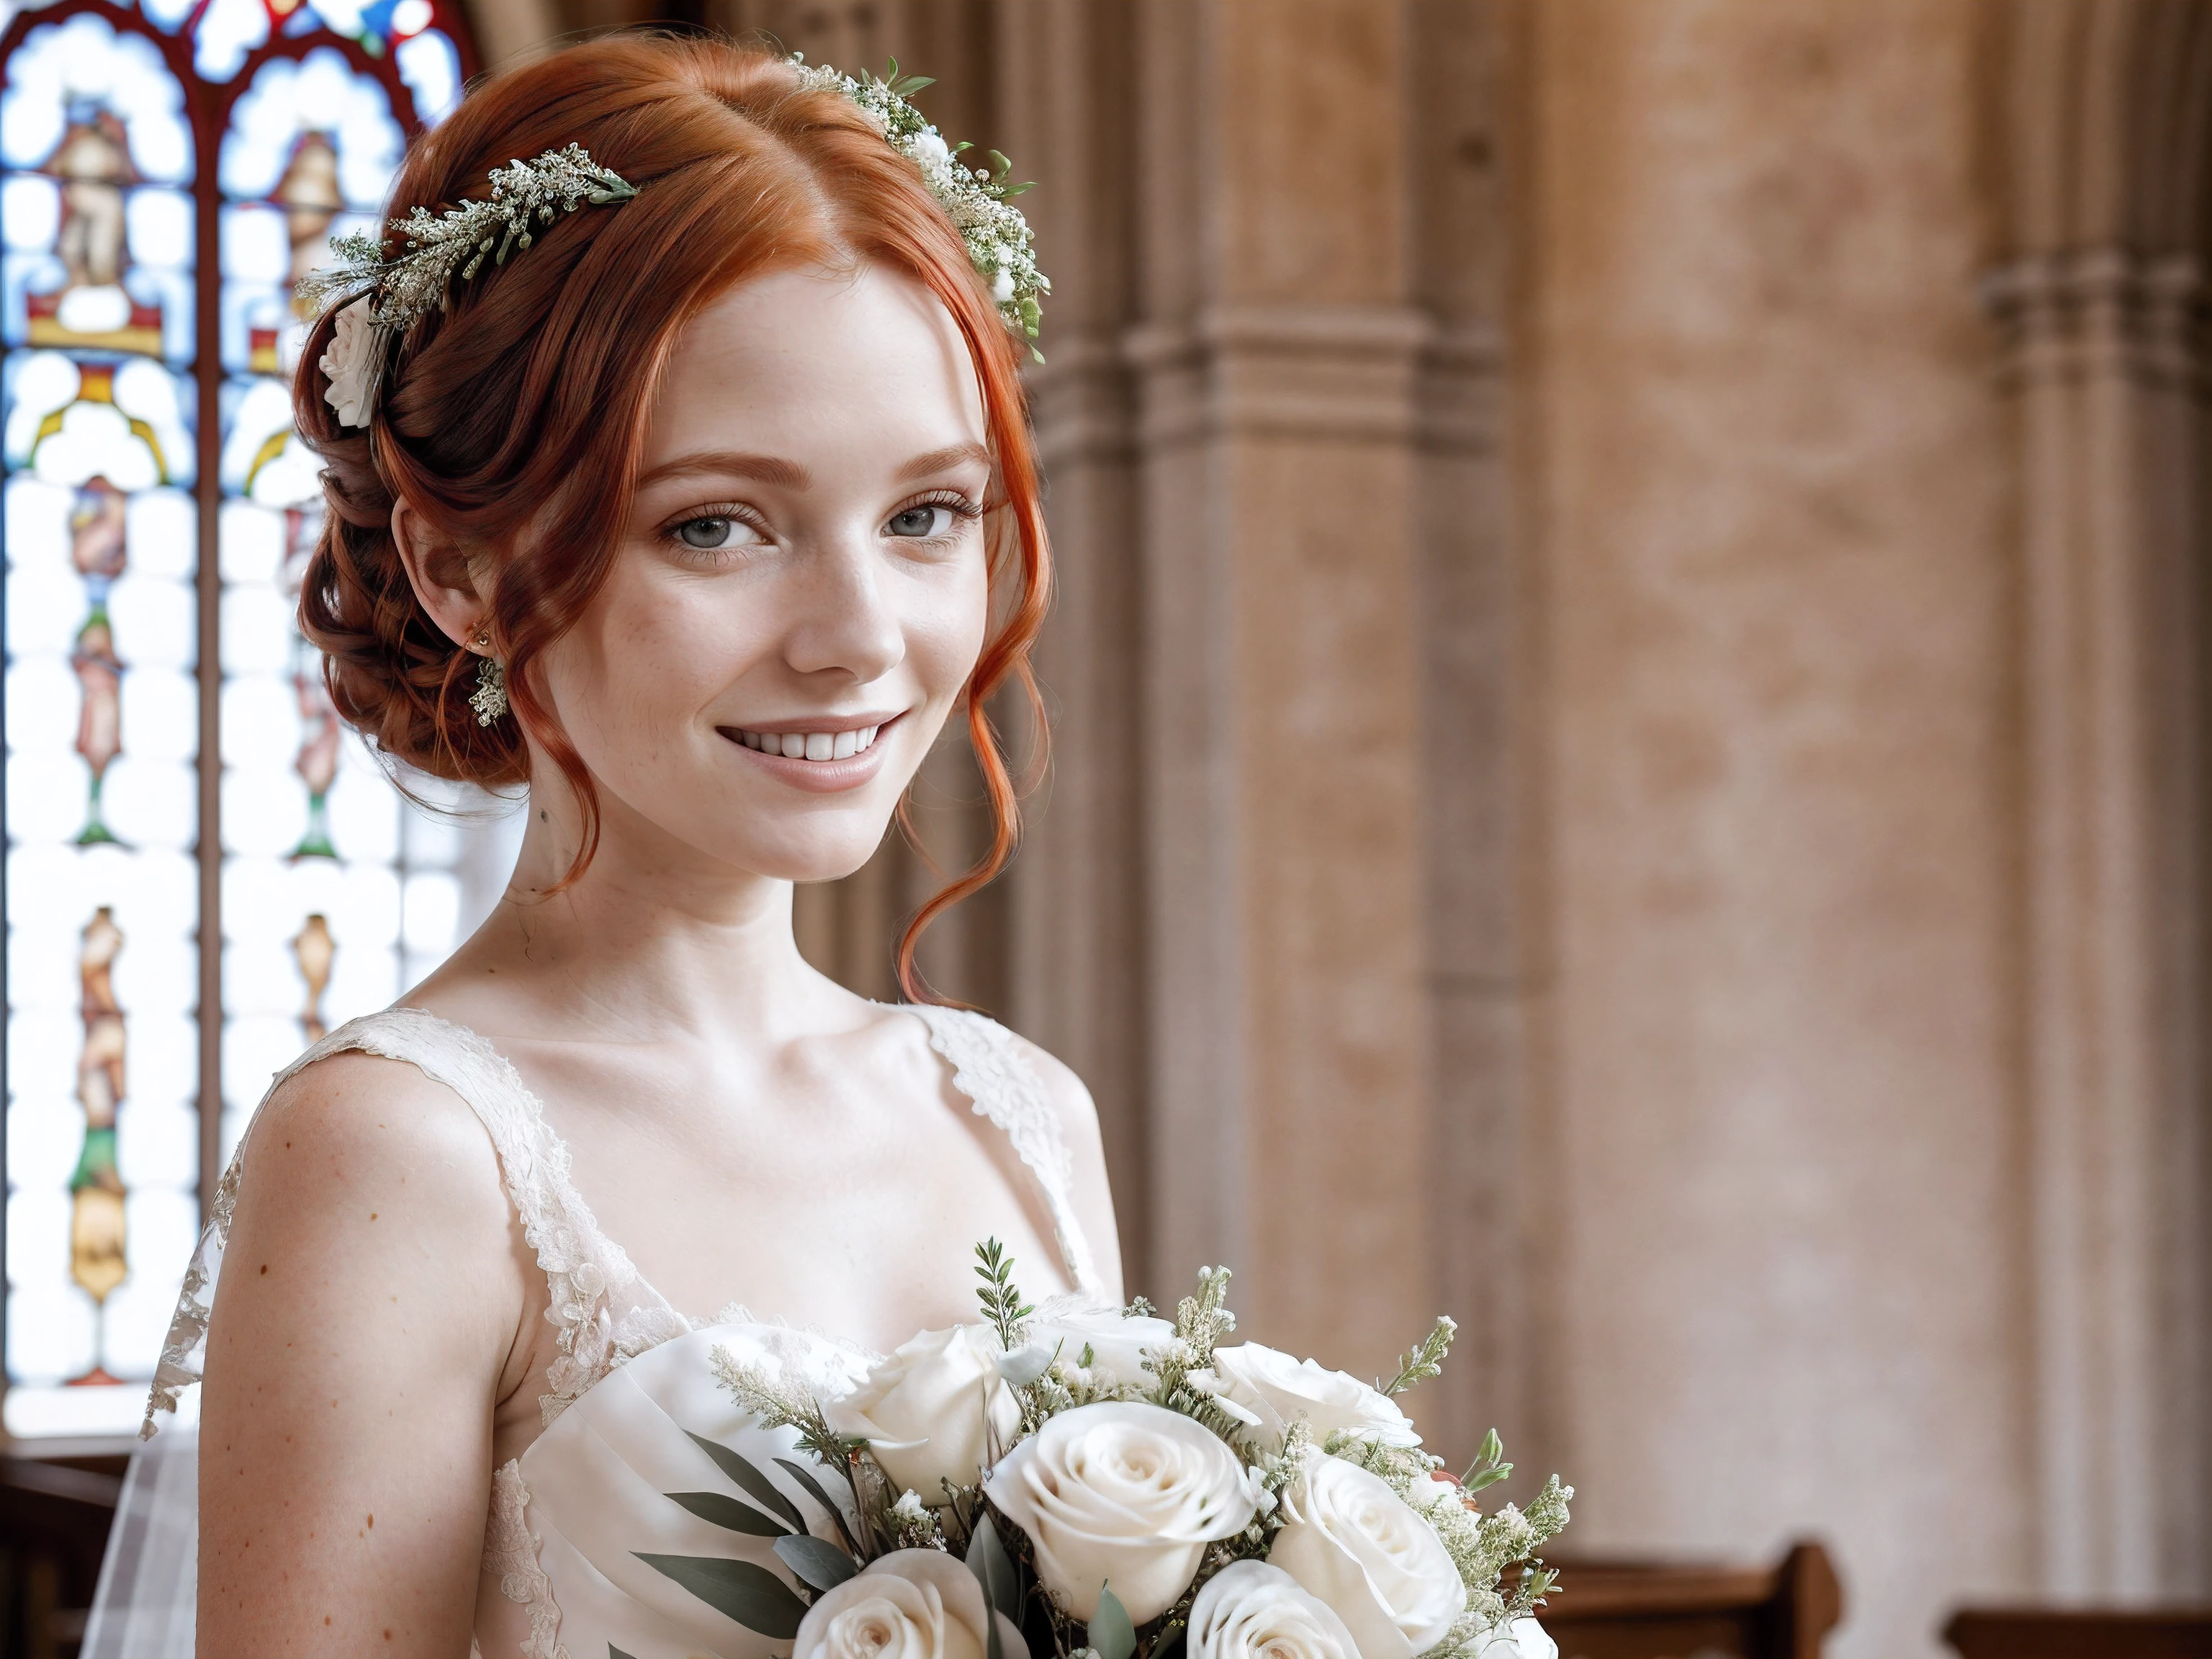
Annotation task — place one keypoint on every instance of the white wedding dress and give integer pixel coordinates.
(625, 1406)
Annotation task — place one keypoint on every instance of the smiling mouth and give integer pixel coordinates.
(807, 745)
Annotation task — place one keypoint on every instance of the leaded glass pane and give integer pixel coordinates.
(120, 127)
(101, 888)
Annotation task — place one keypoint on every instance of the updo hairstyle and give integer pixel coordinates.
(523, 407)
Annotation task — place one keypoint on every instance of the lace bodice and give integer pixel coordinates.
(574, 1521)
(602, 1310)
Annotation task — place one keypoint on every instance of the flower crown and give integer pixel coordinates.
(978, 200)
(390, 295)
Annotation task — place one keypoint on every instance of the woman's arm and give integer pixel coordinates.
(368, 1319)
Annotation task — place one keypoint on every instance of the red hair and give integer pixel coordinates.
(524, 406)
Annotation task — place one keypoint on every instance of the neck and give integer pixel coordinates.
(654, 939)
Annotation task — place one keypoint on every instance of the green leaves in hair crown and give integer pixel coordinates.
(999, 243)
(392, 294)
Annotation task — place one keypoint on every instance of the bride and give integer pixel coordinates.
(700, 508)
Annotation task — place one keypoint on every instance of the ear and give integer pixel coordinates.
(439, 572)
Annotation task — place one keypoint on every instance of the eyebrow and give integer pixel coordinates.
(944, 460)
(730, 464)
(790, 474)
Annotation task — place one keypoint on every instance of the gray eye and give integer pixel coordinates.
(916, 521)
(704, 532)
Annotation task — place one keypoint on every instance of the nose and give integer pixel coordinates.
(844, 622)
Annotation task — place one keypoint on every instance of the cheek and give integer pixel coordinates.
(642, 649)
(944, 633)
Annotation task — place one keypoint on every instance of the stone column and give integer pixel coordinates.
(1478, 703)
(2100, 307)
(1076, 981)
(1282, 667)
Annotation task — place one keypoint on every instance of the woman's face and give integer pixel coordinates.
(802, 590)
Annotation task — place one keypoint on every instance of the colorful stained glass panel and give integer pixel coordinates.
(120, 128)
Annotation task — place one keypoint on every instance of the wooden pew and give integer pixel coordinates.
(1628, 1610)
(2075, 1633)
(54, 1518)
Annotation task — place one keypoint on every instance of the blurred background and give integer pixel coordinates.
(1629, 718)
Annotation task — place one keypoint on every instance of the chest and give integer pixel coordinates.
(844, 1192)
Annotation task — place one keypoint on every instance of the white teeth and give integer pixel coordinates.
(812, 745)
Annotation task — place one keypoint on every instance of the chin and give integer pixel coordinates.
(814, 857)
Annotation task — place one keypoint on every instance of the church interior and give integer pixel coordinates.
(1630, 728)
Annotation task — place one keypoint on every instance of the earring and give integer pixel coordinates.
(489, 700)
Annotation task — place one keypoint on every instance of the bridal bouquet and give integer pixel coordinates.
(1111, 1485)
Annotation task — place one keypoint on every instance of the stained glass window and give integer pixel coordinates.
(204, 871)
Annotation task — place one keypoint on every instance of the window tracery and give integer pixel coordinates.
(204, 872)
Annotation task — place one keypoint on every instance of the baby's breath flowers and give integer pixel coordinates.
(978, 200)
(1123, 1485)
(392, 294)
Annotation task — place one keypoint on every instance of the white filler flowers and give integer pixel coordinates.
(1106, 1483)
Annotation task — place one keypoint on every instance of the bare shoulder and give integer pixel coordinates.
(1070, 1099)
(359, 1121)
(1078, 1116)
(367, 1311)
(358, 1169)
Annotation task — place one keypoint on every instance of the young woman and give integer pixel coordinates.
(700, 512)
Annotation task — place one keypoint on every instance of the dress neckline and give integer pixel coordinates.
(990, 1074)
(604, 1310)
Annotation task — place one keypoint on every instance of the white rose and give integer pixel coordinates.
(1356, 1544)
(930, 149)
(1524, 1639)
(1282, 1389)
(1125, 1492)
(1117, 1344)
(910, 1604)
(1249, 1610)
(347, 364)
(932, 1411)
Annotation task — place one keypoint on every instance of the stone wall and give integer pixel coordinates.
(1629, 731)
(1783, 1147)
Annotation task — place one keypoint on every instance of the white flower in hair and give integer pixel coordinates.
(978, 200)
(389, 295)
(350, 365)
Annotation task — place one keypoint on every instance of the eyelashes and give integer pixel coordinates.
(699, 533)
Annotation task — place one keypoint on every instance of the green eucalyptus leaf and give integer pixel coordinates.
(721, 1509)
(1110, 1630)
(994, 1568)
(757, 1485)
(814, 1491)
(614, 1652)
(822, 1566)
(752, 1595)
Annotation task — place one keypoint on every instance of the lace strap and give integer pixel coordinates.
(1005, 1087)
(605, 1311)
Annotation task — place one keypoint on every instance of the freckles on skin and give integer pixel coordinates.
(806, 416)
